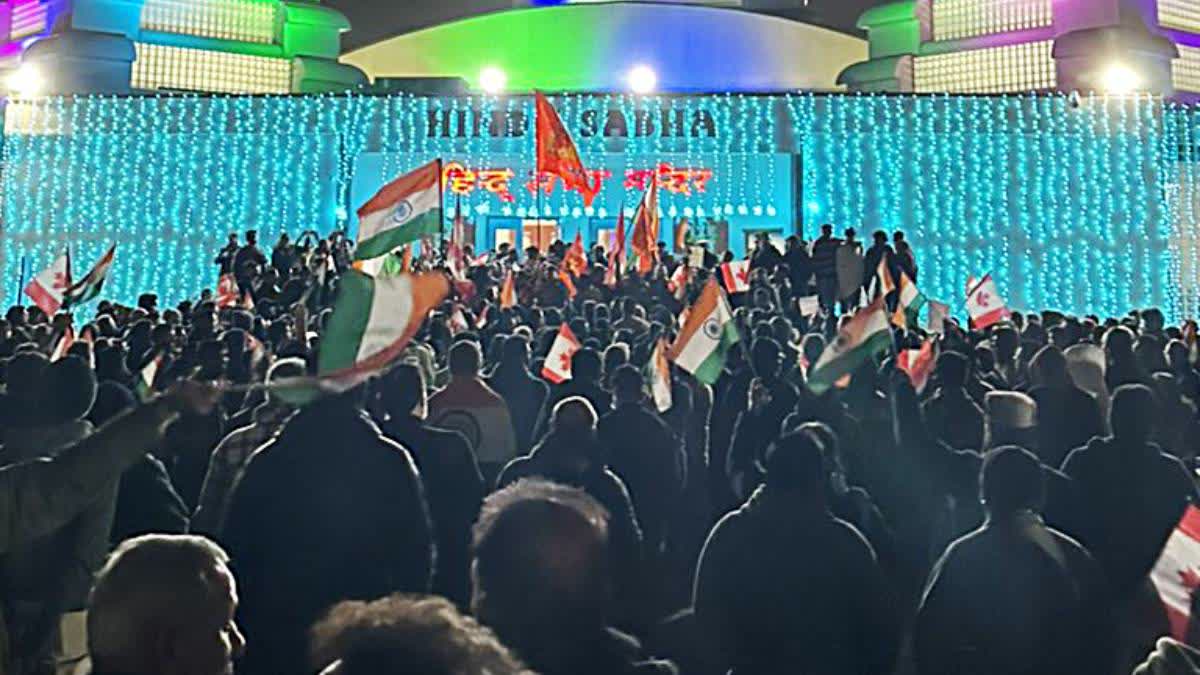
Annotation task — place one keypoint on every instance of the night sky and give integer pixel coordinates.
(373, 20)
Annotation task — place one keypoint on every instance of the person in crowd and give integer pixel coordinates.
(224, 259)
(1122, 365)
(407, 634)
(1014, 596)
(329, 510)
(1058, 399)
(824, 263)
(283, 256)
(765, 256)
(1134, 496)
(879, 254)
(586, 374)
(541, 580)
(850, 269)
(454, 487)
(248, 263)
(468, 405)
(784, 586)
(231, 455)
(770, 398)
(646, 454)
(164, 605)
(905, 258)
(953, 416)
(1007, 367)
(799, 266)
(524, 394)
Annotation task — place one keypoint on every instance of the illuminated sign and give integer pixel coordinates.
(613, 123)
(461, 180)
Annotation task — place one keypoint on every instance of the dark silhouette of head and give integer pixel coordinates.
(628, 385)
(952, 369)
(765, 357)
(1006, 340)
(795, 463)
(585, 365)
(1049, 366)
(1131, 417)
(1011, 480)
(465, 359)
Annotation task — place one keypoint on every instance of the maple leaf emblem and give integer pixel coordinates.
(983, 299)
(1190, 579)
(743, 275)
(564, 361)
(60, 281)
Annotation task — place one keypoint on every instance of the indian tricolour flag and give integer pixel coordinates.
(91, 285)
(908, 308)
(706, 335)
(658, 376)
(1176, 575)
(863, 336)
(405, 210)
(373, 320)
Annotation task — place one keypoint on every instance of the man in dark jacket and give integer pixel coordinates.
(541, 581)
(799, 266)
(1014, 596)
(525, 394)
(879, 252)
(1068, 417)
(951, 414)
(824, 262)
(783, 586)
(569, 454)
(643, 451)
(772, 398)
(328, 511)
(453, 484)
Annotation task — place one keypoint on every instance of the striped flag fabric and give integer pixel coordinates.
(557, 366)
(1176, 575)
(373, 320)
(707, 335)
(865, 335)
(401, 212)
(575, 259)
(508, 291)
(658, 376)
(736, 275)
(646, 228)
(908, 308)
(984, 304)
(884, 276)
(918, 363)
(48, 288)
(90, 286)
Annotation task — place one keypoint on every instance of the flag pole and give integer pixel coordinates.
(21, 279)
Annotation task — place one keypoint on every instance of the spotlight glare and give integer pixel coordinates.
(26, 81)
(642, 79)
(1120, 79)
(493, 80)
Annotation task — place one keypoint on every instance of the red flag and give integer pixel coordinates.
(556, 152)
(678, 283)
(557, 366)
(227, 292)
(1176, 575)
(645, 229)
(575, 260)
(918, 363)
(508, 292)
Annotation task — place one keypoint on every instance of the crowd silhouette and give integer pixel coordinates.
(460, 513)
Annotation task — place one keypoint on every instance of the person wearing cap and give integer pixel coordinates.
(784, 586)
(1014, 596)
(1011, 419)
(231, 455)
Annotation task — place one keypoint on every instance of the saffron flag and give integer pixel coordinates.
(508, 291)
(90, 286)
(645, 229)
(49, 287)
(918, 363)
(403, 211)
(706, 336)
(565, 277)
(658, 376)
(865, 335)
(557, 366)
(984, 304)
(681, 235)
(1176, 575)
(736, 275)
(556, 152)
(575, 259)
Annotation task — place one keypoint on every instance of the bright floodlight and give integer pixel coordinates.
(493, 80)
(26, 81)
(642, 80)
(1121, 79)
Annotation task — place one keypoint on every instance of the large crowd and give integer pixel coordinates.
(459, 513)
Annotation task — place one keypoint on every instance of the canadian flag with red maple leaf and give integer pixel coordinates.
(557, 367)
(1176, 575)
(736, 275)
(50, 285)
